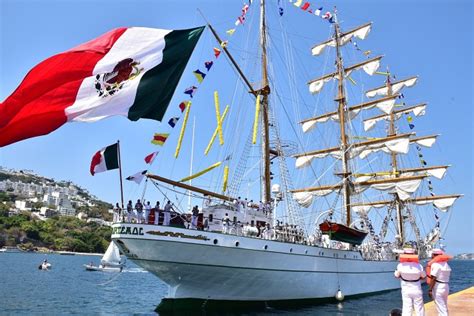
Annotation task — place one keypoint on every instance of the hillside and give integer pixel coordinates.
(36, 211)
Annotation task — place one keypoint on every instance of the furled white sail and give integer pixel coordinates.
(417, 111)
(316, 86)
(360, 32)
(364, 209)
(384, 105)
(396, 87)
(441, 204)
(369, 66)
(304, 199)
(404, 189)
(399, 145)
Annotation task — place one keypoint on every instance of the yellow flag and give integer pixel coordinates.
(230, 32)
(200, 173)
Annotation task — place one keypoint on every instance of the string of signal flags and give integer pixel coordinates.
(184, 106)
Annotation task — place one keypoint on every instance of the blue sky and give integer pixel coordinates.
(432, 39)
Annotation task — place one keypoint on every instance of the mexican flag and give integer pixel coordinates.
(105, 159)
(131, 72)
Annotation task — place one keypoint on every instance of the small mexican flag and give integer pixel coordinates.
(131, 72)
(105, 159)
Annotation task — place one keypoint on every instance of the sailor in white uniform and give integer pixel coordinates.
(439, 285)
(410, 274)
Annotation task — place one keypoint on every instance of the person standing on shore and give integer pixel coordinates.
(410, 271)
(439, 271)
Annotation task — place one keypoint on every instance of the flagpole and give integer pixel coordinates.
(120, 171)
(191, 164)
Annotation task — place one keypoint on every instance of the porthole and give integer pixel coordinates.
(265, 247)
(291, 249)
(237, 243)
(215, 241)
(344, 256)
(306, 251)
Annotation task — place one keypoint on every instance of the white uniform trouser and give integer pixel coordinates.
(194, 221)
(225, 229)
(140, 217)
(157, 217)
(166, 220)
(129, 217)
(412, 297)
(440, 296)
(147, 213)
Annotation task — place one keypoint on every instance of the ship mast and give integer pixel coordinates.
(392, 132)
(341, 99)
(265, 91)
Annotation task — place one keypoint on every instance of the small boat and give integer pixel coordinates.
(45, 265)
(110, 262)
(339, 232)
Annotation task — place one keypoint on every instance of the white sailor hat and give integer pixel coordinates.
(437, 251)
(409, 251)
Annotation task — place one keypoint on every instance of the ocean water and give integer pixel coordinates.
(69, 289)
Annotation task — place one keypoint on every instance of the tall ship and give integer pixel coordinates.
(321, 198)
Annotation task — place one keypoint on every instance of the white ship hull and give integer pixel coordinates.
(196, 268)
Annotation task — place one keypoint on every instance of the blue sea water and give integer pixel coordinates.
(69, 289)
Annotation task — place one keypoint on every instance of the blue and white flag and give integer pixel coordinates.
(172, 122)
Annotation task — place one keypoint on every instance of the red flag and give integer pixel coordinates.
(217, 52)
(182, 106)
(305, 6)
(149, 159)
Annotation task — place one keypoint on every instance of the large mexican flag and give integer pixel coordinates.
(131, 72)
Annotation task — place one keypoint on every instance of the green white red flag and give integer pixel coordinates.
(105, 159)
(131, 72)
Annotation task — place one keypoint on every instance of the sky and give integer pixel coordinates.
(431, 39)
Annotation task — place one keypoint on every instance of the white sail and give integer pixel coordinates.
(396, 87)
(111, 256)
(418, 110)
(404, 189)
(369, 66)
(385, 105)
(359, 32)
(441, 204)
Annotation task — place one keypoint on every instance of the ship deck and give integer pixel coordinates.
(459, 303)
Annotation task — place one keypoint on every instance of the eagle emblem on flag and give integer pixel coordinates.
(108, 84)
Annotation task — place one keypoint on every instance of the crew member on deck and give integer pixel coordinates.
(117, 210)
(157, 212)
(225, 224)
(167, 213)
(129, 211)
(139, 208)
(147, 211)
(439, 272)
(194, 218)
(410, 271)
